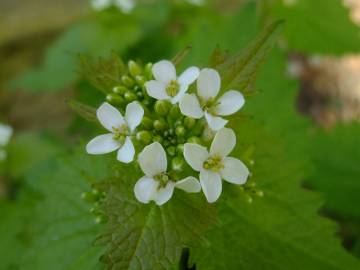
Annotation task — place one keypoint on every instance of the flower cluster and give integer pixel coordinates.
(5, 135)
(171, 121)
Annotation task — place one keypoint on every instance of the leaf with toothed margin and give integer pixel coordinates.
(146, 236)
(239, 71)
(280, 230)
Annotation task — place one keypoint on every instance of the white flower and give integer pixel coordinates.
(167, 85)
(125, 5)
(120, 128)
(206, 102)
(5, 135)
(157, 185)
(216, 165)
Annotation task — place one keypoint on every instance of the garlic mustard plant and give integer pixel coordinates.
(171, 130)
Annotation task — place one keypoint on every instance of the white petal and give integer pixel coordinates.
(100, 4)
(164, 71)
(234, 171)
(223, 143)
(189, 75)
(102, 144)
(195, 155)
(125, 5)
(152, 159)
(156, 90)
(180, 95)
(126, 152)
(5, 134)
(145, 189)
(208, 83)
(215, 122)
(211, 185)
(133, 115)
(164, 194)
(190, 106)
(109, 116)
(189, 184)
(229, 103)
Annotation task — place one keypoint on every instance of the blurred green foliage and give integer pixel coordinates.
(47, 225)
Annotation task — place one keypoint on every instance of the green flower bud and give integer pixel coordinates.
(120, 90)
(159, 124)
(175, 112)
(140, 80)
(127, 81)
(171, 150)
(189, 122)
(180, 148)
(114, 99)
(158, 139)
(147, 123)
(140, 94)
(166, 143)
(171, 131)
(162, 107)
(177, 164)
(134, 68)
(130, 96)
(180, 131)
(148, 70)
(194, 139)
(144, 136)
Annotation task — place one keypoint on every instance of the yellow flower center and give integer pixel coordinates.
(214, 164)
(172, 89)
(121, 133)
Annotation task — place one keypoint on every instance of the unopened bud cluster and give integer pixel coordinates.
(169, 127)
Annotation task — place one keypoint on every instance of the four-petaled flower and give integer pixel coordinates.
(216, 165)
(206, 102)
(157, 185)
(120, 131)
(167, 86)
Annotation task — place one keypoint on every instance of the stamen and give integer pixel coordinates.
(173, 88)
(214, 164)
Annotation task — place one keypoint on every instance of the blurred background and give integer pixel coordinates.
(308, 91)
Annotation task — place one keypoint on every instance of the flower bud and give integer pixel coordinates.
(177, 164)
(140, 95)
(144, 136)
(127, 81)
(158, 139)
(189, 122)
(134, 68)
(194, 139)
(147, 123)
(130, 96)
(148, 70)
(159, 124)
(114, 99)
(120, 90)
(180, 148)
(162, 107)
(180, 131)
(140, 80)
(175, 112)
(171, 150)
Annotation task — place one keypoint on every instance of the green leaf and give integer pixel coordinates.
(239, 71)
(281, 229)
(336, 169)
(85, 111)
(320, 26)
(148, 236)
(105, 73)
(62, 228)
